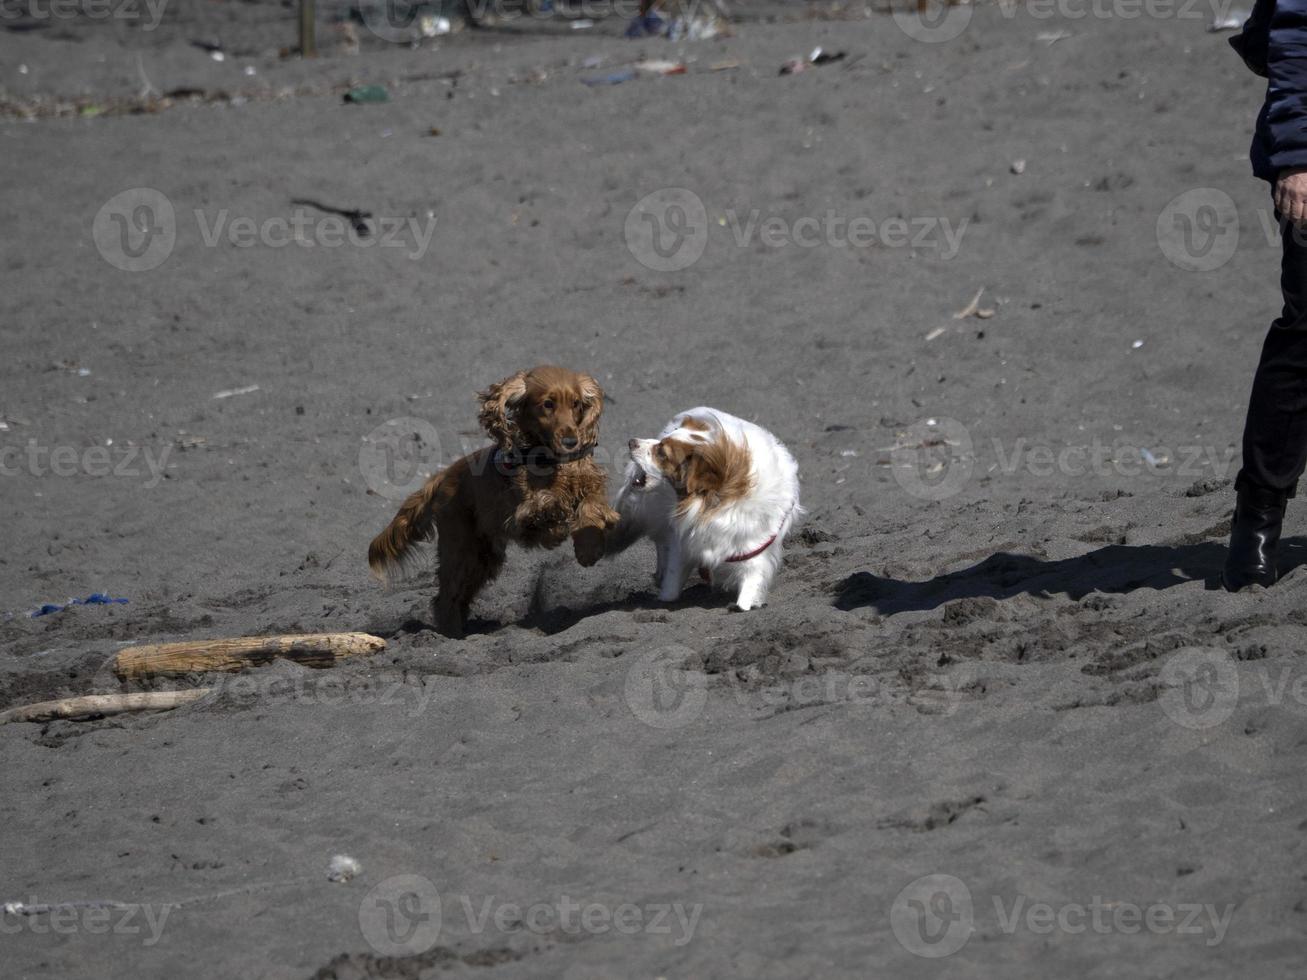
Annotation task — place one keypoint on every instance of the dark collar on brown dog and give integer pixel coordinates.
(535, 458)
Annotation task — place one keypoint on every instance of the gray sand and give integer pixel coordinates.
(1000, 659)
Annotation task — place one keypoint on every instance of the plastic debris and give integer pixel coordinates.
(971, 308)
(612, 78)
(582, 24)
(1231, 21)
(1137, 344)
(696, 29)
(232, 392)
(342, 868)
(1018, 167)
(655, 66)
(433, 26)
(364, 94)
(94, 599)
(817, 57)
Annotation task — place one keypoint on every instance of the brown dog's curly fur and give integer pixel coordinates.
(537, 486)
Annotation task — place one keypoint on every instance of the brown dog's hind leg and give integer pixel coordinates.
(467, 562)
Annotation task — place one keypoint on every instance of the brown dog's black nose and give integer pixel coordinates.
(570, 442)
(633, 444)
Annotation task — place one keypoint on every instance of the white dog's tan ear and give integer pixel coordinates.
(592, 397)
(497, 408)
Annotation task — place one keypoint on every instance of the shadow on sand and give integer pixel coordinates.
(1115, 568)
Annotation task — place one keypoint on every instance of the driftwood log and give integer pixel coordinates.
(200, 656)
(100, 705)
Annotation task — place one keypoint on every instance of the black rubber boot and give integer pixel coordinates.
(1254, 536)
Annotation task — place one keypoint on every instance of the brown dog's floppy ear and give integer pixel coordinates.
(718, 473)
(592, 400)
(497, 405)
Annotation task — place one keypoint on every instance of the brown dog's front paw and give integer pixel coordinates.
(588, 543)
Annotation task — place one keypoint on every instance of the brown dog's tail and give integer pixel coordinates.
(393, 551)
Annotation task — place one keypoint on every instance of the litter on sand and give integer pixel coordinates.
(233, 392)
(817, 57)
(972, 308)
(342, 868)
(683, 28)
(94, 599)
(612, 78)
(656, 66)
(365, 94)
(1231, 21)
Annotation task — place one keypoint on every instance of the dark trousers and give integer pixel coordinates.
(1275, 433)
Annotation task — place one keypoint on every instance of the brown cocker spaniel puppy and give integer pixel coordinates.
(537, 486)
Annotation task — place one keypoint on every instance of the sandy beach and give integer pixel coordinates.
(1000, 292)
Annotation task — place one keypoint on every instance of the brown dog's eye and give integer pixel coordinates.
(548, 404)
(659, 451)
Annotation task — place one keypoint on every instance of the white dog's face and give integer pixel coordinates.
(642, 473)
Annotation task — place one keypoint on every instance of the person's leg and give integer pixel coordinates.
(1275, 432)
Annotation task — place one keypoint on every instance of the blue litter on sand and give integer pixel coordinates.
(612, 78)
(94, 599)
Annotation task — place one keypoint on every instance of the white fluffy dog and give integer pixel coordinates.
(716, 494)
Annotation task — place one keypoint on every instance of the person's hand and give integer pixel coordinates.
(1291, 194)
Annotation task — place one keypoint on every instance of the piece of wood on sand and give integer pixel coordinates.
(101, 705)
(201, 656)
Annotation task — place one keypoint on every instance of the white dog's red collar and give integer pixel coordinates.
(766, 544)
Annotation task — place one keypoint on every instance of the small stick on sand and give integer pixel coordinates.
(200, 656)
(970, 308)
(101, 705)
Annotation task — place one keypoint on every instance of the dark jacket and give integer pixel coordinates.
(1274, 45)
